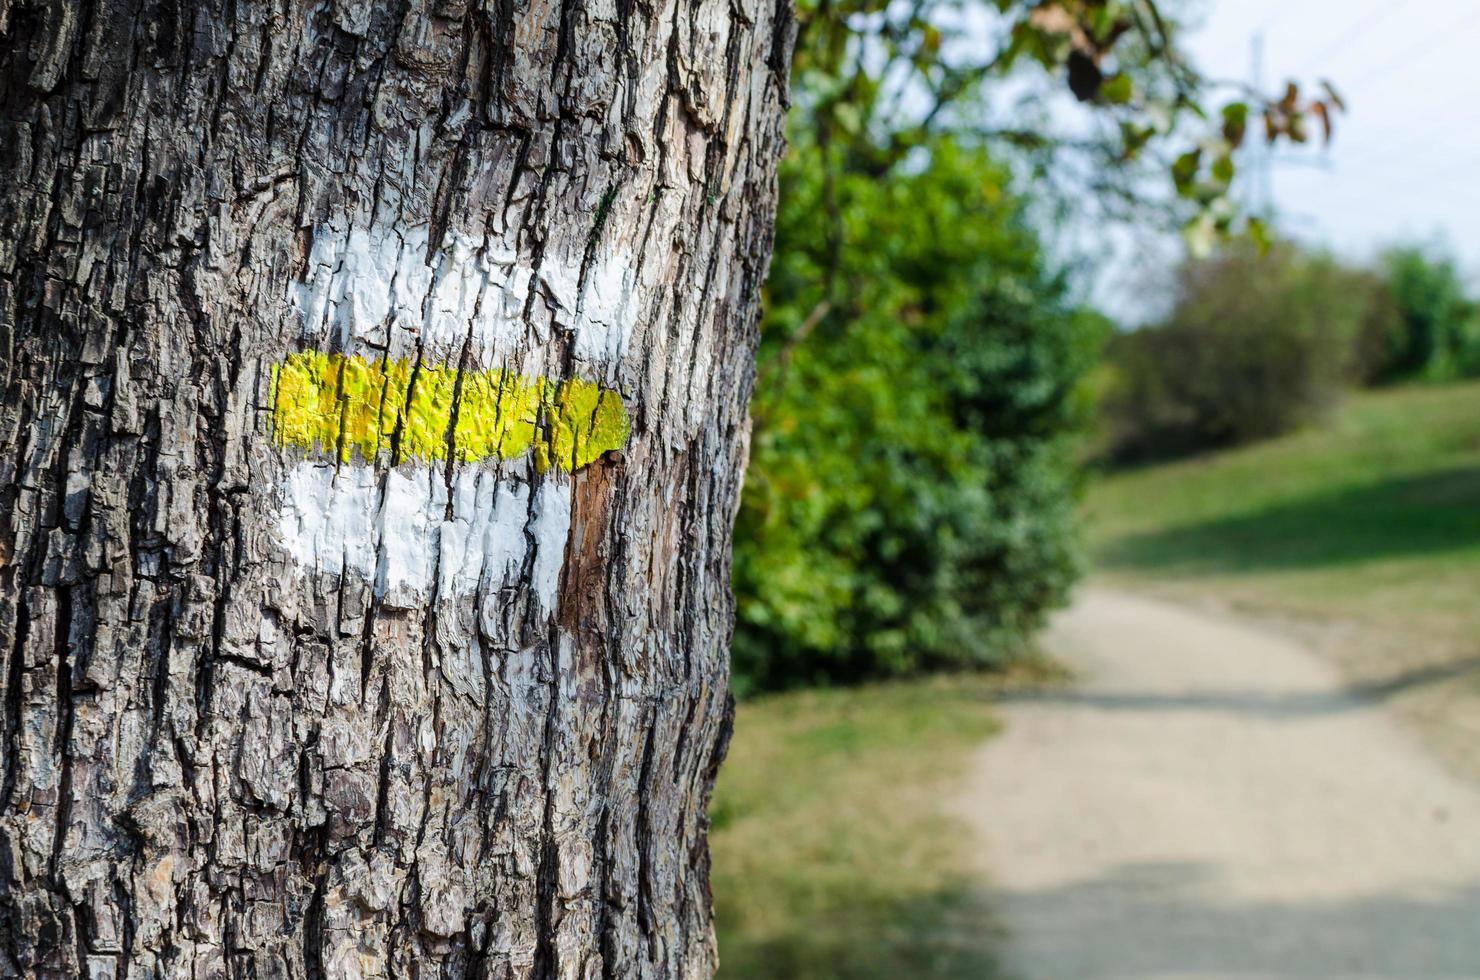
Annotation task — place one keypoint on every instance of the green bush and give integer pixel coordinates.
(1255, 346)
(1433, 329)
(909, 504)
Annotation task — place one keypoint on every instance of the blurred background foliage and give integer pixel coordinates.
(909, 503)
(1432, 332)
(1259, 344)
(921, 390)
(933, 389)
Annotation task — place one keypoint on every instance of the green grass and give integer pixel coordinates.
(835, 855)
(1372, 518)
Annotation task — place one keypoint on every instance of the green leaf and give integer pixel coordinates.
(1134, 138)
(848, 117)
(1235, 123)
(1118, 90)
(1259, 235)
(1223, 169)
(1184, 171)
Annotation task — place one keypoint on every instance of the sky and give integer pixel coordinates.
(1405, 163)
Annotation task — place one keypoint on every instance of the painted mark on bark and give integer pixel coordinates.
(393, 529)
(369, 501)
(352, 408)
(384, 285)
(370, 496)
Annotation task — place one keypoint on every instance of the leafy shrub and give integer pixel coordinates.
(1432, 331)
(909, 504)
(1256, 345)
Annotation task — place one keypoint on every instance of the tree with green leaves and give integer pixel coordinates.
(1433, 330)
(910, 496)
(1257, 343)
(910, 503)
(876, 82)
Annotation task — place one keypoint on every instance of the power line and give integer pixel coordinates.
(1424, 126)
(1273, 12)
(1435, 171)
(1421, 135)
(1428, 43)
(1425, 142)
(1369, 185)
(1371, 191)
(1379, 12)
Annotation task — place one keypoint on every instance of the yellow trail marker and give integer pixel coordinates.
(347, 405)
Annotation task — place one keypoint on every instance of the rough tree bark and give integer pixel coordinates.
(374, 383)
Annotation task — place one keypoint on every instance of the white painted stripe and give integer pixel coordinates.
(394, 529)
(378, 286)
(550, 527)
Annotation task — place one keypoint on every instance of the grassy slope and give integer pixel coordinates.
(834, 854)
(1373, 518)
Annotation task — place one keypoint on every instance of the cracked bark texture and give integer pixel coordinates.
(220, 759)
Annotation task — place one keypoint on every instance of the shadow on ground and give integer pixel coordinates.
(1256, 704)
(948, 935)
(1142, 920)
(1412, 516)
(1161, 920)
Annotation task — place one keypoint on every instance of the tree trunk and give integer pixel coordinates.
(374, 417)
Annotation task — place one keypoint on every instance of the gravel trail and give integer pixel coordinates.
(1207, 800)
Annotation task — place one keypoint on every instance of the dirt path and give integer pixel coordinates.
(1207, 801)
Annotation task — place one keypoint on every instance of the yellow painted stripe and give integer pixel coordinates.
(351, 407)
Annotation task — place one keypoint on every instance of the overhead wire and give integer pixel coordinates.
(1275, 11)
(1378, 13)
(1436, 39)
(1421, 145)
